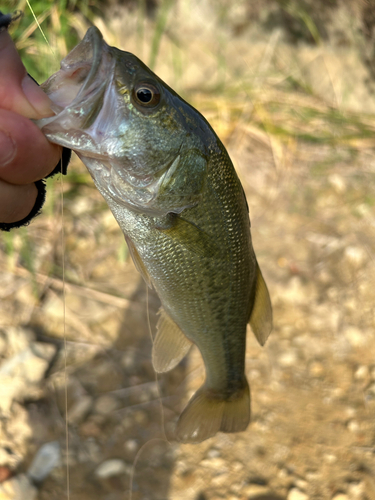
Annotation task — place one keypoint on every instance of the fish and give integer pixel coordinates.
(174, 192)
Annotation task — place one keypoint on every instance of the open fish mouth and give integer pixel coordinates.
(77, 89)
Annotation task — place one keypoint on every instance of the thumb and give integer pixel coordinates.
(18, 92)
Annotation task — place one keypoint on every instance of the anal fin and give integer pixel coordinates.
(261, 315)
(170, 344)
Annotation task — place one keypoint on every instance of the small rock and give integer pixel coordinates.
(22, 369)
(214, 463)
(79, 410)
(237, 466)
(329, 458)
(301, 484)
(220, 479)
(46, 459)
(90, 451)
(316, 369)
(356, 490)
(18, 488)
(362, 373)
(90, 429)
(5, 473)
(254, 491)
(296, 494)
(353, 426)
(355, 256)
(112, 467)
(131, 445)
(128, 360)
(354, 335)
(337, 182)
(17, 339)
(213, 453)
(287, 359)
(106, 404)
(340, 496)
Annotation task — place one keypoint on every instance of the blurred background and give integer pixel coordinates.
(288, 86)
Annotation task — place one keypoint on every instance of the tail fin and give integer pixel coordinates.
(206, 414)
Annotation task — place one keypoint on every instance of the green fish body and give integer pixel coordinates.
(174, 192)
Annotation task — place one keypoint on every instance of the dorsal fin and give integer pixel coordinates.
(170, 344)
(261, 314)
(141, 268)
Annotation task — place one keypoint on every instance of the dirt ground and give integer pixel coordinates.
(307, 164)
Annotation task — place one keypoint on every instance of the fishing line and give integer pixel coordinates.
(64, 330)
(40, 28)
(63, 287)
(162, 416)
(139, 452)
(163, 439)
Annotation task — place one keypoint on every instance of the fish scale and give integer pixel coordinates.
(174, 192)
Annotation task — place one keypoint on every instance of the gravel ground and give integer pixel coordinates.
(81, 409)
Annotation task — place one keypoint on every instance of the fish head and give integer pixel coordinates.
(144, 146)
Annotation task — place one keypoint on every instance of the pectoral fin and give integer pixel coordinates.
(138, 261)
(170, 344)
(190, 236)
(261, 315)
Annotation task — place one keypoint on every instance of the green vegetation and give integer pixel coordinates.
(61, 24)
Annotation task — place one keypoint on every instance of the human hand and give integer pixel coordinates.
(25, 154)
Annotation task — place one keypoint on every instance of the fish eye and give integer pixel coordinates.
(146, 94)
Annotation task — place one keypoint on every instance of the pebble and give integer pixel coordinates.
(79, 410)
(329, 458)
(355, 256)
(24, 368)
(301, 484)
(18, 488)
(287, 359)
(316, 369)
(213, 453)
(254, 491)
(337, 182)
(131, 445)
(340, 496)
(220, 480)
(353, 426)
(354, 335)
(106, 404)
(111, 467)
(46, 459)
(128, 360)
(356, 490)
(361, 373)
(214, 463)
(296, 494)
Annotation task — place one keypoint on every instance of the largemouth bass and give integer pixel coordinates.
(174, 192)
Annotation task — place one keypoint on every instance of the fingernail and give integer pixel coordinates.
(36, 97)
(7, 149)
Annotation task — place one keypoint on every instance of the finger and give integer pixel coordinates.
(16, 202)
(25, 154)
(18, 92)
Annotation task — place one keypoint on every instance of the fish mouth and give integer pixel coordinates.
(77, 89)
